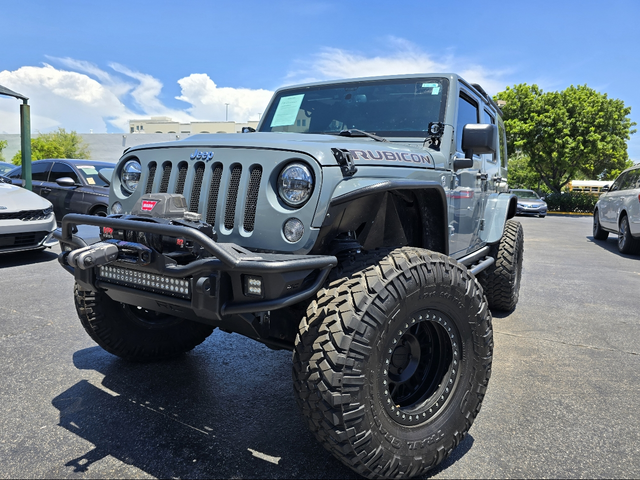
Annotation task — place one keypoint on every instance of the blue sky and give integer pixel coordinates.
(95, 65)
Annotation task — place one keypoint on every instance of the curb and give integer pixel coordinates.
(570, 213)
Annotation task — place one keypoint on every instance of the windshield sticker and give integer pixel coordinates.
(88, 169)
(287, 111)
(392, 156)
(435, 87)
(91, 181)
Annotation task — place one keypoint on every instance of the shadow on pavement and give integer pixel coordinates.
(611, 245)
(30, 257)
(224, 413)
(193, 418)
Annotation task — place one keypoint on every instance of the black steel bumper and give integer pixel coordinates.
(217, 285)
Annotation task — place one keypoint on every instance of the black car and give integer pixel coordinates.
(6, 167)
(72, 186)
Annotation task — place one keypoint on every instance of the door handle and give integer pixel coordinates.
(46, 190)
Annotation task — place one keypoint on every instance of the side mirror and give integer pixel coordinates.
(479, 138)
(542, 198)
(459, 163)
(105, 174)
(605, 188)
(66, 182)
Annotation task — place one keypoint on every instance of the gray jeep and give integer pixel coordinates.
(365, 226)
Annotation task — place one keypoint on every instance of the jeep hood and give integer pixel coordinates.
(364, 150)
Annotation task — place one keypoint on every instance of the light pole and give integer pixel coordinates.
(226, 118)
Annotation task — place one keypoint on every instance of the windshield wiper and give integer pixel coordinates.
(354, 132)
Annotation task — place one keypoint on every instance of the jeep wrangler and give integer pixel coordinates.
(365, 226)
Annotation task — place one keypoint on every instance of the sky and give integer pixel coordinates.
(93, 66)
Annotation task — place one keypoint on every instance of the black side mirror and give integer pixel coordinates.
(605, 188)
(66, 182)
(459, 163)
(105, 174)
(479, 138)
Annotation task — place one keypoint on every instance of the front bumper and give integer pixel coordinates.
(529, 210)
(214, 287)
(20, 236)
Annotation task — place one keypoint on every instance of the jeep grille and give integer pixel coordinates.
(212, 174)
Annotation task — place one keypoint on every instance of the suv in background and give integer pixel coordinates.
(618, 211)
(364, 226)
(72, 186)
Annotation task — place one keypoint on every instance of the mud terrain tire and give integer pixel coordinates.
(501, 281)
(392, 362)
(133, 333)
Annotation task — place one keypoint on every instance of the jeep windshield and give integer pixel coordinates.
(389, 108)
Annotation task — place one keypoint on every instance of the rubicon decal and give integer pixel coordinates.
(386, 156)
(147, 205)
(206, 156)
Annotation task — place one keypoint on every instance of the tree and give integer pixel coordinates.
(3, 145)
(58, 144)
(576, 132)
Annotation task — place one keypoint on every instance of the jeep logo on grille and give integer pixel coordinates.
(206, 156)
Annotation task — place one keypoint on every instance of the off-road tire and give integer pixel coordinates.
(135, 334)
(598, 232)
(626, 243)
(501, 281)
(359, 322)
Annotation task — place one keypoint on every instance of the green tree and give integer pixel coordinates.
(577, 132)
(58, 144)
(3, 145)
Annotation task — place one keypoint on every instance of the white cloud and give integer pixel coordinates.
(60, 98)
(209, 101)
(403, 58)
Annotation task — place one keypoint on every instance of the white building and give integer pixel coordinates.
(167, 125)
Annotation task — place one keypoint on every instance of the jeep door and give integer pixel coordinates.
(466, 194)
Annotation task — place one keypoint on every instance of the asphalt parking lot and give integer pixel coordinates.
(562, 402)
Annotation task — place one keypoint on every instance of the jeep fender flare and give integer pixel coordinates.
(500, 207)
(387, 213)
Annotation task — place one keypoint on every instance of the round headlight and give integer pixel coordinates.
(130, 175)
(295, 184)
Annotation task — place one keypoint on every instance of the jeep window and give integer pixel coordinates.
(503, 143)
(467, 113)
(488, 118)
(395, 108)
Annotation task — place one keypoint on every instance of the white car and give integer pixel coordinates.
(618, 211)
(27, 220)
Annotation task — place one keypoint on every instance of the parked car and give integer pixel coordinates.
(6, 167)
(530, 203)
(27, 221)
(618, 211)
(72, 186)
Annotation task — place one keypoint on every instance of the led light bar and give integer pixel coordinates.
(149, 282)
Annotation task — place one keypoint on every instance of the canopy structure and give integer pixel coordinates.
(25, 133)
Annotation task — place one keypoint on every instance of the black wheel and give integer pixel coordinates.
(134, 333)
(99, 211)
(392, 362)
(626, 242)
(598, 232)
(501, 281)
